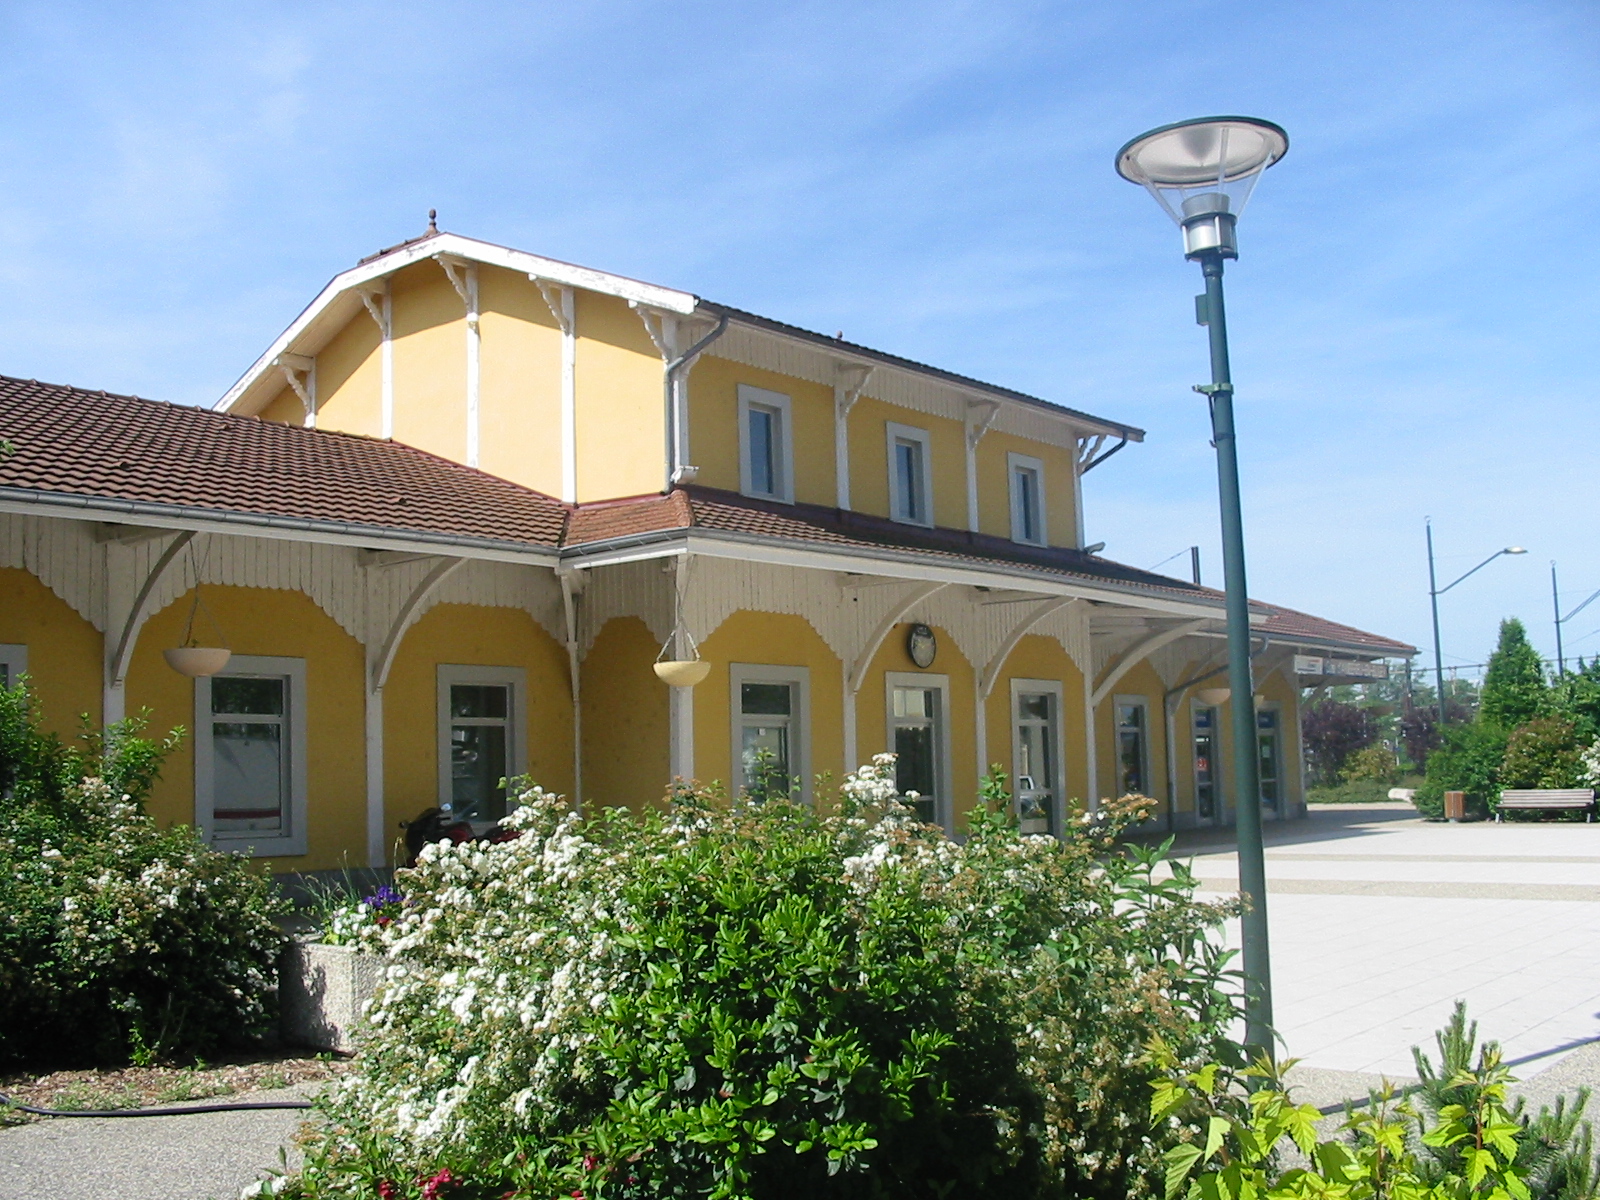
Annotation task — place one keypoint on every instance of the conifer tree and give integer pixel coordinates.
(1514, 687)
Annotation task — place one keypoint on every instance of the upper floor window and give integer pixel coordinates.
(766, 455)
(910, 485)
(1027, 499)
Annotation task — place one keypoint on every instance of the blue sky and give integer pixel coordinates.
(1414, 318)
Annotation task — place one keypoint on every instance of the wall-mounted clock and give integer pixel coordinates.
(921, 646)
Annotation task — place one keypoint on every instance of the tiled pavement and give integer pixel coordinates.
(1380, 921)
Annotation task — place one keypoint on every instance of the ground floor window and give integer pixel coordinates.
(771, 725)
(1133, 754)
(1207, 782)
(480, 739)
(250, 755)
(1270, 743)
(13, 664)
(1036, 753)
(919, 737)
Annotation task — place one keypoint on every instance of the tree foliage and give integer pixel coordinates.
(1514, 687)
(1332, 731)
(1546, 752)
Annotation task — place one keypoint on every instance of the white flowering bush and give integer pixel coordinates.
(763, 1000)
(118, 938)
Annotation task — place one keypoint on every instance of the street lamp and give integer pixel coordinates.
(1434, 592)
(1202, 172)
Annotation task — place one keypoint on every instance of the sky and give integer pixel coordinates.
(1414, 315)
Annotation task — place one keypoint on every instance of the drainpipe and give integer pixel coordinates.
(679, 471)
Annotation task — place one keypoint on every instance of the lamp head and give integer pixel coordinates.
(1202, 172)
(1513, 550)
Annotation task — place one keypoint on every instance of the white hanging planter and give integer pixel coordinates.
(197, 662)
(682, 672)
(1213, 697)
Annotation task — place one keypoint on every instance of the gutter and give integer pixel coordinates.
(679, 471)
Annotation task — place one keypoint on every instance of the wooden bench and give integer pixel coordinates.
(1538, 799)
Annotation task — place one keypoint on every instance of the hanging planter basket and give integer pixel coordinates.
(1214, 697)
(683, 672)
(197, 662)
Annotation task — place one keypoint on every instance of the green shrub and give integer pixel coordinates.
(1358, 791)
(1546, 752)
(1375, 763)
(119, 937)
(1514, 686)
(764, 1000)
(1469, 761)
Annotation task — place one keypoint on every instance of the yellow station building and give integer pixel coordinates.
(451, 518)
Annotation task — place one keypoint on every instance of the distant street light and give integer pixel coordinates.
(1202, 172)
(1434, 592)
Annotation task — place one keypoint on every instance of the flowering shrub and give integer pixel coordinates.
(117, 937)
(762, 1000)
(361, 922)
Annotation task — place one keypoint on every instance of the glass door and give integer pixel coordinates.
(917, 718)
(1036, 762)
(1207, 780)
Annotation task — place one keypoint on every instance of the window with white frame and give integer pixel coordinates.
(481, 742)
(1207, 781)
(1133, 750)
(1270, 743)
(250, 755)
(919, 736)
(766, 454)
(1036, 753)
(1027, 499)
(13, 664)
(771, 731)
(910, 479)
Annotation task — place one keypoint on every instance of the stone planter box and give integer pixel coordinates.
(321, 993)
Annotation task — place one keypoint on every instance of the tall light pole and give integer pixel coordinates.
(1434, 592)
(1555, 600)
(1201, 172)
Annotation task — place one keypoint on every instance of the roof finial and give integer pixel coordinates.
(433, 221)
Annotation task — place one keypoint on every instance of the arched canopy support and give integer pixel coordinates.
(1137, 653)
(117, 664)
(1039, 612)
(896, 614)
(384, 660)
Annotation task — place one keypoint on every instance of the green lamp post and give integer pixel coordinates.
(1202, 172)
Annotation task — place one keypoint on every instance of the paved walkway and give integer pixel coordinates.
(1380, 921)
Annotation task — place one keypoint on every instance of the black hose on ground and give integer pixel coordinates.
(235, 1106)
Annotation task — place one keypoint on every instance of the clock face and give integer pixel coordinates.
(921, 646)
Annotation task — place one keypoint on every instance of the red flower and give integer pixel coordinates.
(590, 1162)
(432, 1189)
(387, 1190)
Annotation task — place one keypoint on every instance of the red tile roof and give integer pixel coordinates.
(73, 442)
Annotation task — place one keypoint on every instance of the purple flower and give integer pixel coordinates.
(383, 898)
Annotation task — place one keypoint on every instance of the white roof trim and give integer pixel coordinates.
(333, 306)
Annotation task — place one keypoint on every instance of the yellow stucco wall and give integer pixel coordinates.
(484, 637)
(621, 407)
(280, 623)
(519, 406)
(1040, 657)
(776, 640)
(285, 408)
(625, 746)
(350, 378)
(714, 426)
(64, 651)
(430, 361)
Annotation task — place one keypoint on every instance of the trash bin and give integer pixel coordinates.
(1455, 806)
